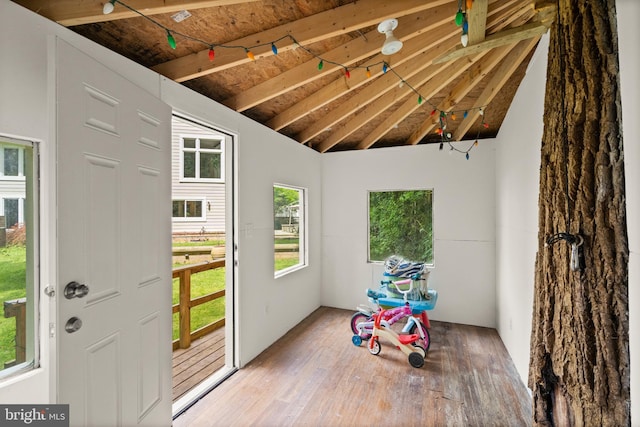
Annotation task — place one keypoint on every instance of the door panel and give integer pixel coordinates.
(114, 222)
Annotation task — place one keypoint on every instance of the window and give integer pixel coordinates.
(12, 161)
(10, 212)
(289, 208)
(19, 289)
(202, 159)
(401, 223)
(188, 210)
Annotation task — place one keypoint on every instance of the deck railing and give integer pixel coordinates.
(185, 303)
(18, 308)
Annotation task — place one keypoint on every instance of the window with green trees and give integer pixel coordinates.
(289, 207)
(401, 223)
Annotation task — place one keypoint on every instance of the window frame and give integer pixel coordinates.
(368, 231)
(30, 205)
(197, 150)
(203, 204)
(303, 231)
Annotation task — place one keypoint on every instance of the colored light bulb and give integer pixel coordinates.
(384, 67)
(212, 54)
(368, 73)
(171, 40)
(250, 55)
(419, 99)
(459, 17)
(320, 64)
(274, 49)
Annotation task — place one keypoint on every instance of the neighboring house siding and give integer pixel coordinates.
(12, 187)
(212, 194)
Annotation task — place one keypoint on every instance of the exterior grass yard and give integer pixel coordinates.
(12, 286)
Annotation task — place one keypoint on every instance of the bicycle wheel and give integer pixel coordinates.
(356, 340)
(416, 360)
(359, 317)
(375, 348)
(427, 339)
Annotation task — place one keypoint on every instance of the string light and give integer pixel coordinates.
(461, 20)
(108, 7)
(459, 17)
(171, 40)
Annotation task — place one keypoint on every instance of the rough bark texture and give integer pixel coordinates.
(579, 368)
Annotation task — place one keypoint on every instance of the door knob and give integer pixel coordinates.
(73, 325)
(75, 290)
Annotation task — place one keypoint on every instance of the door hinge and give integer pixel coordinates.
(50, 291)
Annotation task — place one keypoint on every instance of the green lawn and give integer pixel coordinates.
(12, 286)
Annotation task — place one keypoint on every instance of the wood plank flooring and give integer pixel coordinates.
(194, 364)
(315, 376)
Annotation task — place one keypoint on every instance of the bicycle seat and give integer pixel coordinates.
(408, 338)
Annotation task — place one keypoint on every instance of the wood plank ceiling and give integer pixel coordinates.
(434, 90)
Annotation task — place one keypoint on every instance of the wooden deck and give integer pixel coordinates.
(192, 365)
(315, 376)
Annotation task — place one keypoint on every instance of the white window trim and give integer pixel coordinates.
(197, 163)
(303, 232)
(202, 200)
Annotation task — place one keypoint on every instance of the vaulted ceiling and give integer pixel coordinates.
(317, 74)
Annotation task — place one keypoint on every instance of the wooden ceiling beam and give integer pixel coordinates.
(373, 91)
(477, 20)
(311, 29)
(472, 78)
(505, 37)
(427, 89)
(339, 87)
(516, 17)
(409, 27)
(371, 110)
(407, 61)
(499, 79)
(78, 12)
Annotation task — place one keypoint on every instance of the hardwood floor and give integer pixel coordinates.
(192, 365)
(315, 376)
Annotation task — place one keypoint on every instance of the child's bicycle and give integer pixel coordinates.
(363, 321)
(404, 342)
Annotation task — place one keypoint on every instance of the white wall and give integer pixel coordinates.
(629, 39)
(517, 185)
(464, 225)
(269, 307)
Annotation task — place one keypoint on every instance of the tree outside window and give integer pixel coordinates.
(401, 223)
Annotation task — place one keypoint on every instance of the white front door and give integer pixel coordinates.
(114, 228)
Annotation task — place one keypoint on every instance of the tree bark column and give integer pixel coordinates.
(579, 367)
